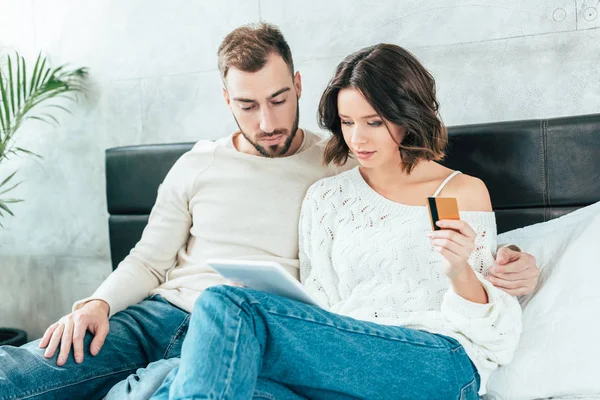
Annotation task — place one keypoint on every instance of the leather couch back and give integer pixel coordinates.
(535, 170)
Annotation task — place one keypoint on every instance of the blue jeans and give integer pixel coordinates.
(143, 384)
(148, 331)
(240, 339)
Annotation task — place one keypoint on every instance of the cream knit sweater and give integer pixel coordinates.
(369, 258)
(216, 202)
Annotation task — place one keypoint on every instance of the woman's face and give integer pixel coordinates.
(373, 140)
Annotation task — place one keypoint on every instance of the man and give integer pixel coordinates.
(239, 197)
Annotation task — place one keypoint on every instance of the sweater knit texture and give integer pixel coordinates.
(369, 258)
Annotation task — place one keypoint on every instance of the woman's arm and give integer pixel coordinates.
(495, 325)
(456, 243)
(457, 240)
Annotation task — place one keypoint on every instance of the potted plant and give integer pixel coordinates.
(28, 96)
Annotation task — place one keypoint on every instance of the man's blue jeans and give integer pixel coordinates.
(143, 384)
(148, 331)
(240, 338)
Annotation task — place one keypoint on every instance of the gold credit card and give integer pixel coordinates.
(442, 208)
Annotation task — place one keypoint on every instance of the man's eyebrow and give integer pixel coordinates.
(243, 100)
(277, 93)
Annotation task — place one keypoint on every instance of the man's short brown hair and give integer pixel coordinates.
(247, 48)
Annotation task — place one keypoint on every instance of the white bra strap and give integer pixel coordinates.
(445, 182)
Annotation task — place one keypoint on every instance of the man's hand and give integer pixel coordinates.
(71, 329)
(514, 272)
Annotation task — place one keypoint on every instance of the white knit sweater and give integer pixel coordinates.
(369, 258)
(216, 202)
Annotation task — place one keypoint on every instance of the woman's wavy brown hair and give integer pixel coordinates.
(400, 90)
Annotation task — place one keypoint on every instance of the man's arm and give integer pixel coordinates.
(141, 271)
(515, 271)
(166, 233)
(144, 269)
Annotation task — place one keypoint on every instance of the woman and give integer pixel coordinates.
(410, 314)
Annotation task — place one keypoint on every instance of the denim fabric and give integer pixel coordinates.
(144, 382)
(150, 330)
(240, 338)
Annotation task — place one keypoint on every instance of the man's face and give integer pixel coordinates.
(265, 105)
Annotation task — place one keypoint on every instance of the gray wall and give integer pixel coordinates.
(153, 67)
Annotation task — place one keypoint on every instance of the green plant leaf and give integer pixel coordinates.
(24, 78)
(37, 78)
(5, 208)
(3, 128)
(61, 107)
(43, 79)
(5, 181)
(11, 188)
(52, 117)
(31, 153)
(20, 94)
(12, 201)
(4, 97)
(11, 85)
(35, 117)
(36, 71)
(19, 80)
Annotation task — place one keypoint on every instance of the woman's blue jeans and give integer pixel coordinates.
(240, 340)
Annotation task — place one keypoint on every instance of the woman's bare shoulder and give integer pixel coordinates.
(471, 192)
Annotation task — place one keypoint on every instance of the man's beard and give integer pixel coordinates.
(275, 150)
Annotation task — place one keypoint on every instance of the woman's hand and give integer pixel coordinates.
(455, 242)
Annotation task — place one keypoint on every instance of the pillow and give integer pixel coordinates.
(559, 351)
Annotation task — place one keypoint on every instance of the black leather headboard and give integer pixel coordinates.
(535, 170)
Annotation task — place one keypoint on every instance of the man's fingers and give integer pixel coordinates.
(519, 275)
(509, 261)
(512, 268)
(523, 262)
(54, 341)
(65, 343)
(99, 337)
(47, 335)
(506, 255)
(507, 284)
(78, 336)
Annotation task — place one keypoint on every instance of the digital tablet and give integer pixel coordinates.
(266, 276)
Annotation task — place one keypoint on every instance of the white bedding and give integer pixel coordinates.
(558, 355)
